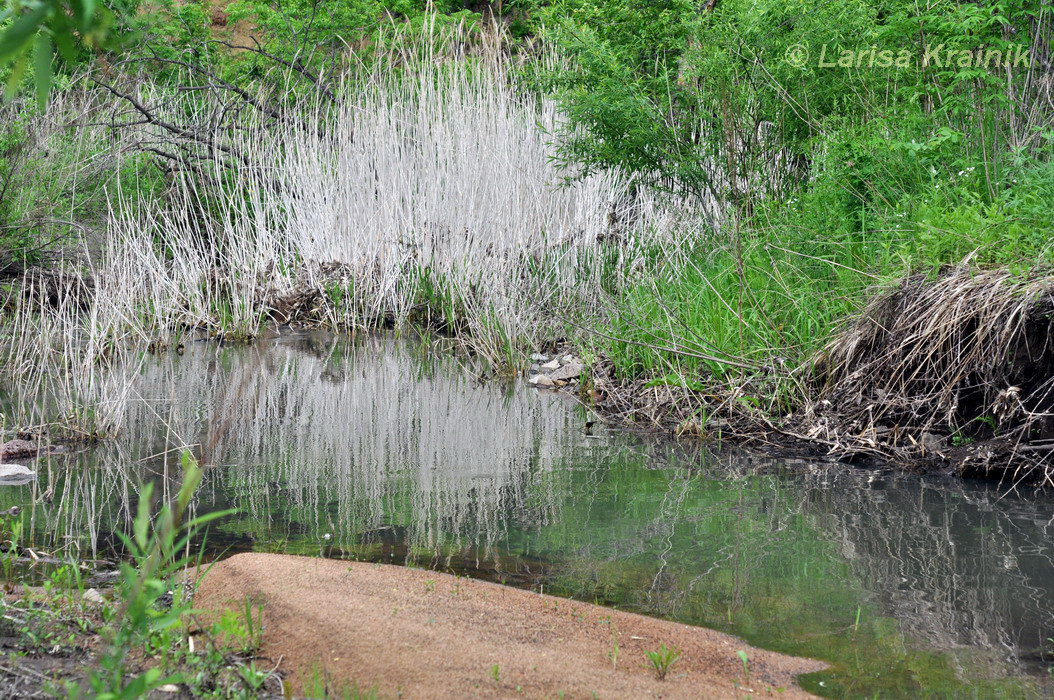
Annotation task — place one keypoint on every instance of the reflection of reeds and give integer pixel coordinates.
(963, 568)
(358, 435)
(970, 569)
(313, 435)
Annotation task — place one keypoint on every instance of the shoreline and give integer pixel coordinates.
(722, 412)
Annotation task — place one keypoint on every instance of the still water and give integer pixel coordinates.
(385, 450)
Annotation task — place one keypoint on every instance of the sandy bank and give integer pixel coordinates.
(426, 634)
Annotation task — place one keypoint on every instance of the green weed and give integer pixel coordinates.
(320, 685)
(156, 548)
(241, 630)
(662, 660)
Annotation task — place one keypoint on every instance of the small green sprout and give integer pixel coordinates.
(746, 666)
(663, 659)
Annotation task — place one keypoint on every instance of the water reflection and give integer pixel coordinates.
(380, 449)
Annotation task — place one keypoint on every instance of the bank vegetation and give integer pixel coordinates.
(740, 239)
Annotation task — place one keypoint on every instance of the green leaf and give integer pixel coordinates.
(64, 43)
(676, 380)
(142, 519)
(191, 479)
(42, 74)
(15, 78)
(18, 34)
(83, 10)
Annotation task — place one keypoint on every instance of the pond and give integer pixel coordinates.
(384, 449)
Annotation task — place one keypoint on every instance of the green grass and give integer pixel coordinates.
(662, 660)
(763, 299)
(716, 313)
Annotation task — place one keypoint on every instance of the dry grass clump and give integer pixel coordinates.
(958, 368)
(55, 350)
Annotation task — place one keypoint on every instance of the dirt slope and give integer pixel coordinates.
(420, 633)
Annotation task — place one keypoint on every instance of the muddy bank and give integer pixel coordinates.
(952, 374)
(421, 633)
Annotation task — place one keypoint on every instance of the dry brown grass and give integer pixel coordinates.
(957, 368)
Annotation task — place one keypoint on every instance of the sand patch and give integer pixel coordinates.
(420, 633)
